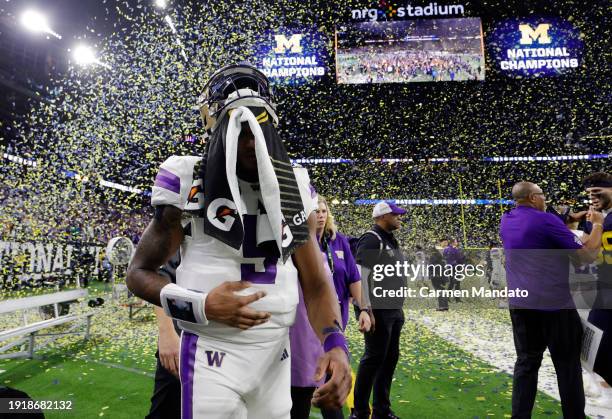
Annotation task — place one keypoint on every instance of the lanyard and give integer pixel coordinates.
(330, 259)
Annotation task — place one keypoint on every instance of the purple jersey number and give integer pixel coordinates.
(250, 250)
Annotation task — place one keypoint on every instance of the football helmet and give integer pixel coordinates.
(231, 87)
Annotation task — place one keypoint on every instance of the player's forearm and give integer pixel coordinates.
(319, 295)
(322, 307)
(146, 284)
(159, 242)
(592, 241)
(591, 248)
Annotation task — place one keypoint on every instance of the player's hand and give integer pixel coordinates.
(364, 322)
(169, 347)
(334, 392)
(223, 305)
(577, 216)
(594, 216)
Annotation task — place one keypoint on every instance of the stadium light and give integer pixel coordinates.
(36, 22)
(84, 56)
(161, 4)
(168, 20)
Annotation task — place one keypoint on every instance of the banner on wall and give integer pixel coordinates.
(535, 46)
(32, 260)
(292, 55)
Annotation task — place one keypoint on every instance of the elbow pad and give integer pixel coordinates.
(183, 304)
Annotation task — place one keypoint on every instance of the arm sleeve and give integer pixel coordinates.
(560, 235)
(173, 181)
(309, 195)
(367, 242)
(365, 289)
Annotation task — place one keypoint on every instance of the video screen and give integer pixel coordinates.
(410, 51)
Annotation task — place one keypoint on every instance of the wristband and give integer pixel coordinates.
(335, 340)
(183, 304)
(597, 224)
(367, 310)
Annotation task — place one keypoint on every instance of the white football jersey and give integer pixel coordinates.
(206, 262)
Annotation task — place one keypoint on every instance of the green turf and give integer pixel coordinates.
(95, 390)
(434, 379)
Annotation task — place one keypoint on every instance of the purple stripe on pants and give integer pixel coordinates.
(168, 180)
(189, 346)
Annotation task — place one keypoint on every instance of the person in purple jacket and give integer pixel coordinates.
(305, 346)
(453, 256)
(537, 245)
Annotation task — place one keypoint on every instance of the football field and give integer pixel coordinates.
(112, 374)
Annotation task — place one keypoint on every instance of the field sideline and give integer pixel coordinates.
(111, 375)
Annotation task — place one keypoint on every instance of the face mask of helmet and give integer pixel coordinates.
(232, 87)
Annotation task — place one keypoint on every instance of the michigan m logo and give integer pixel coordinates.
(539, 34)
(293, 44)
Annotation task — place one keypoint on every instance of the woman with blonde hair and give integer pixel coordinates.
(337, 252)
(305, 346)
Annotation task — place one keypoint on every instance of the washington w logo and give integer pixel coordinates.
(539, 34)
(293, 44)
(215, 358)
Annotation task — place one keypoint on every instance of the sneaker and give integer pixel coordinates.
(442, 309)
(355, 415)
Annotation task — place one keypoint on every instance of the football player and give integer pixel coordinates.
(244, 220)
(599, 187)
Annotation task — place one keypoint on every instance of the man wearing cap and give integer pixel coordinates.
(377, 365)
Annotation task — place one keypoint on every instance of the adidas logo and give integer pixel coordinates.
(285, 355)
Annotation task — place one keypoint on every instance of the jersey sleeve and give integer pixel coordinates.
(561, 236)
(309, 195)
(173, 181)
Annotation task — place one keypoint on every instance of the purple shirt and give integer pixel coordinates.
(306, 348)
(543, 269)
(453, 255)
(305, 345)
(345, 271)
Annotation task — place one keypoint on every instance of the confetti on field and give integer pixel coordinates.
(118, 124)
